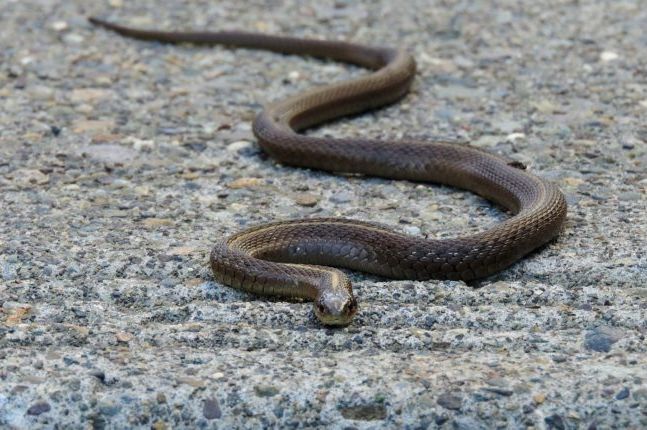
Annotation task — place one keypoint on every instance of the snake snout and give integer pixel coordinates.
(335, 310)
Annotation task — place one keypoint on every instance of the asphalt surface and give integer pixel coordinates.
(122, 161)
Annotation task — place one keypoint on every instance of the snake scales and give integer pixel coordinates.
(291, 258)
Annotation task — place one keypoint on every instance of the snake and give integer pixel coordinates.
(302, 258)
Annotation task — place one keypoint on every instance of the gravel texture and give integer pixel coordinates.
(122, 161)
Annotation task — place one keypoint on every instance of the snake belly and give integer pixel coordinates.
(293, 259)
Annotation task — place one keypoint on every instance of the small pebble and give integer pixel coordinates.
(601, 339)
(73, 39)
(266, 390)
(211, 409)
(364, 412)
(39, 408)
(124, 337)
(607, 56)
(245, 183)
(240, 146)
(59, 26)
(512, 137)
(307, 200)
(449, 400)
(622, 394)
(555, 422)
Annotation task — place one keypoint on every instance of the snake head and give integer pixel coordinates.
(335, 308)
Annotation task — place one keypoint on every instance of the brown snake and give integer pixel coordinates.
(288, 258)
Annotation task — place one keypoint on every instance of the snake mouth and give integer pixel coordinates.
(329, 321)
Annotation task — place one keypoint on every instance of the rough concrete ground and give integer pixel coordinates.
(122, 161)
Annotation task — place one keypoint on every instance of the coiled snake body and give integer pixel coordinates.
(291, 258)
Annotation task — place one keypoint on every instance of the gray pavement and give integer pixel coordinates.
(122, 161)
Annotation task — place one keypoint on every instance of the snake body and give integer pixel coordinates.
(293, 258)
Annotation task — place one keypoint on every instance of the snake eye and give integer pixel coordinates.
(321, 308)
(351, 307)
